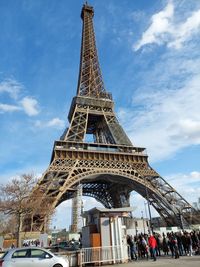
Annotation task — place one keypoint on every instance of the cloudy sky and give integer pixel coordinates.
(150, 59)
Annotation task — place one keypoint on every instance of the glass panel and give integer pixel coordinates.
(38, 253)
(19, 254)
(3, 256)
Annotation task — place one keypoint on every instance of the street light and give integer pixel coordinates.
(136, 230)
(143, 222)
(148, 204)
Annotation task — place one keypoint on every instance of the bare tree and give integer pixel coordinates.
(15, 199)
(7, 224)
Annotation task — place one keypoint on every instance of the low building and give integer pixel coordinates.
(106, 231)
(136, 226)
(105, 227)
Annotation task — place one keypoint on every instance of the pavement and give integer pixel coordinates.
(184, 261)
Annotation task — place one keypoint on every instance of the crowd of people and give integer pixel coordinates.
(155, 245)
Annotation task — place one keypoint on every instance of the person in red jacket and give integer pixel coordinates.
(152, 246)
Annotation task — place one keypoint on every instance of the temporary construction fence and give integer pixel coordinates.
(108, 255)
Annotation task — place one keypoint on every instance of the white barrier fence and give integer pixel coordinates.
(109, 255)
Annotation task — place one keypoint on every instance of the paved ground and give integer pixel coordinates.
(184, 261)
(164, 262)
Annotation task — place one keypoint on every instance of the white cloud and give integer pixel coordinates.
(12, 87)
(188, 185)
(189, 129)
(55, 123)
(164, 117)
(89, 203)
(30, 106)
(165, 29)
(8, 108)
(169, 121)
(161, 25)
(185, 31)
(184, 180)
(27, 104)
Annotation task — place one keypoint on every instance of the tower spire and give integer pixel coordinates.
(92, 110)
(90, 82)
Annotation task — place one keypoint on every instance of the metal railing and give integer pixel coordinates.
(108, 254)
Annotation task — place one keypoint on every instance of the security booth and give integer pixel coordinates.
(105, 229)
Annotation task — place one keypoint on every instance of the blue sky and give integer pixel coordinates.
(150, 59)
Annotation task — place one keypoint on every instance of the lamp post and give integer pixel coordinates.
(181, 220)
(145, 208)
(148, 204)
(136, 230)
(143, 222)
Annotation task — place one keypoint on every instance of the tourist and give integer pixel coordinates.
(165, 244)
(171, 243)
(13, 245)
(179, 243)
(184, 243)
(152, 246)
(175, 244)
(132, 244)
(189, 244)
(159, 241)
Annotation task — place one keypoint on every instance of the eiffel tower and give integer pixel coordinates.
(110, 167)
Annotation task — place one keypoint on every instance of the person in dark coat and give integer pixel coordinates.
(132, 246)
(165, 245)
(175, 244)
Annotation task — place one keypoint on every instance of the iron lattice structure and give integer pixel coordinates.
(109, 168)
